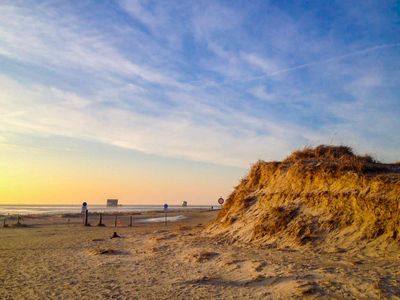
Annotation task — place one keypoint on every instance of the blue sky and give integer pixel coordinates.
(220, 82)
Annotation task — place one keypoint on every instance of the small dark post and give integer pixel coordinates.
(18, 220)
(115, 222)
(100, 220)
(130, 221)
(4, 222)
(86, 217)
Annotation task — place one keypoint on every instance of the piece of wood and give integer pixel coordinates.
(100, 220)
(86, 217)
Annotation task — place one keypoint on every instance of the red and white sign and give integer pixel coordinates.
(221, 200)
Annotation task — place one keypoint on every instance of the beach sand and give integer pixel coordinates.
(57, 259)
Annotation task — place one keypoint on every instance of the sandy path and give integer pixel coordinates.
(179, 262)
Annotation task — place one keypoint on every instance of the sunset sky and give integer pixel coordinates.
(165, 101)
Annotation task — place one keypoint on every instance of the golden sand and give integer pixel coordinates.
(179, 261)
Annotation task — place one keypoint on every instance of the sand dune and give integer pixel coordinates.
(324, 197)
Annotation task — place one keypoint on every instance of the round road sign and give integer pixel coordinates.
(84, 207)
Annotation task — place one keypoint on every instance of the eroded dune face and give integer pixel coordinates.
(323, 195)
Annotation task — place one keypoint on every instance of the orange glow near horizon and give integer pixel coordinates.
(57, 177)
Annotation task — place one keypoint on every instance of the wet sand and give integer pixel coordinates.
(57, 259)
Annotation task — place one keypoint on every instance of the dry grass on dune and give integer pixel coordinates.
(315, 196)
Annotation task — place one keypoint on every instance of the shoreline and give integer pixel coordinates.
(173, 209)
(123, 218)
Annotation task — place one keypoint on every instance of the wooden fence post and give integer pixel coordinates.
(86, 217)
(100, 220)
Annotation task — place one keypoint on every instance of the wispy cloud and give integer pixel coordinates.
(269, 68)
(206, 81)
(266, 65)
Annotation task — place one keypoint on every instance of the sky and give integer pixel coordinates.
(165, 101)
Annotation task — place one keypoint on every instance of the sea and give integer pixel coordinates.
(71, 209)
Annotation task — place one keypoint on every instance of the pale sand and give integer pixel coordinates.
(179, 261)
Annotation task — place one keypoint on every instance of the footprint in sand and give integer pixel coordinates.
(261, 266)
(203, 256)
(106, 251)
(164, 237)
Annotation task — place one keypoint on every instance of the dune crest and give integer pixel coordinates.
(316, 196)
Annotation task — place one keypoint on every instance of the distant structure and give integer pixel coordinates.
(112, 202)
(184, 203)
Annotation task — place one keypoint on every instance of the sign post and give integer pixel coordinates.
(165, 213)
(84, 211)
(221, 201)
(84, 207)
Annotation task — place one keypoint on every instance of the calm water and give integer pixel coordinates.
(64, 209)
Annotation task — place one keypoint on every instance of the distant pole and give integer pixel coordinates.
(115, 222)
(86, 217)
(130, 221)
(100, 220)
(165, 213)
(4, 222)
(18, 220)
